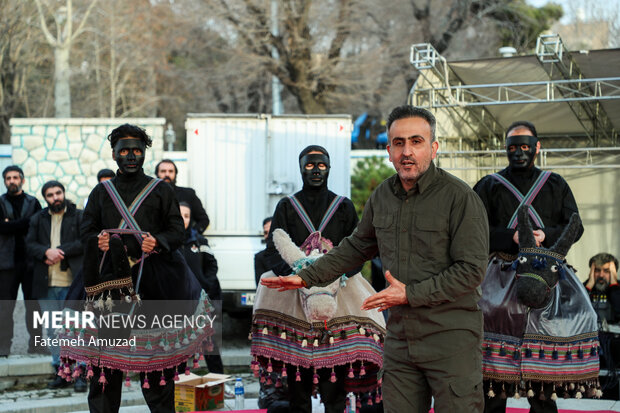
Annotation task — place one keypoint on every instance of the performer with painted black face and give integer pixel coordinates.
(314, 208)
(164, 275)
(552, 203)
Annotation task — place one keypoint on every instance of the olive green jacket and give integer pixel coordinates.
(434, 239)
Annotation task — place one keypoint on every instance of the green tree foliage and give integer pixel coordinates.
(367, 175)
(520, 24)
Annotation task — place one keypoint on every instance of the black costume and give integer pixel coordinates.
(315, 200)
(199, 216)
(555, 204)
(164, 275)
(14, 268)
(501, 204)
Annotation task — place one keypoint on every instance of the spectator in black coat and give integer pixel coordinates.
(167, 170)
(203, 264)
(260, 266)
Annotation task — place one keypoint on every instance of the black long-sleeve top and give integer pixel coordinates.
(18, 227)
(554, 203)
(315, 202)
(159, 213)
(198, 214)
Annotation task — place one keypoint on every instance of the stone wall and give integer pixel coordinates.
(72, 151)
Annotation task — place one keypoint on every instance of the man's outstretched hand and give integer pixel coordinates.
(291, 282)
(393, 295)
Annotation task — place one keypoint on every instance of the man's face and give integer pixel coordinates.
(166, 172)
(602, 275)
(314, 169)
(411, 150)
(521, 148)
(13, 182)
(55, 198)
(186, 213)
(266, 229)
(129, 154)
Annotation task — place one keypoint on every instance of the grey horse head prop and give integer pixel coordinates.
(538, 269)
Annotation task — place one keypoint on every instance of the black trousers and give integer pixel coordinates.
(9, 285)
(160, 399)
(333, 395)
(498, 405)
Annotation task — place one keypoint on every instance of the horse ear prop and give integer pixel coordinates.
(286, 247)
(566, 240)
(526, 235)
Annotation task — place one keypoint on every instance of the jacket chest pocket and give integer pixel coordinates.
(385, 232)
(431, 236)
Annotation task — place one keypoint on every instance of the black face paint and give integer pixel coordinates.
(129, 163)
(520, 159)
(314, 177)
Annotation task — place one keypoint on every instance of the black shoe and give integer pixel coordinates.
(80, 385)
(58, 383)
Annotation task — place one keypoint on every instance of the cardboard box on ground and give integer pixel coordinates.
(196, 393)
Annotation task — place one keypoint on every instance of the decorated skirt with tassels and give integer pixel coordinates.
(556, 344)
(282, 336)
(142, 350)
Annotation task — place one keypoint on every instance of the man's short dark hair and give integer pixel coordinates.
(51, 184)
(408, 111)
(105, 173)
(522, 124)
(185, 204)
(13, 168)
(129, 131)
(266, 220)
(603, 258)
(176, 171)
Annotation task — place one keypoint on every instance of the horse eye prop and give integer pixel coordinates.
(554, 268)
(522, 260)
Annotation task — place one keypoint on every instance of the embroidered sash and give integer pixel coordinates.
(525, 200)
(303, 215)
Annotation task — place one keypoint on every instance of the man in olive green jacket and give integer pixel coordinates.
(432, 234)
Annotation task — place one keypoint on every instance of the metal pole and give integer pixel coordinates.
(276, 99)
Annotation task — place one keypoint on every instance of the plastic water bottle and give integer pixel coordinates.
(350, 403)
(239, 394)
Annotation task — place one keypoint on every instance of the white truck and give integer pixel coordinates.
(240, 167)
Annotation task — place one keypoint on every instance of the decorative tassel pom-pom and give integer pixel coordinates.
(196, 365)
(502, 351)
(571, 386)
(488, 351)
(351, 374)
(89, 372)
(530, 393)
(177, 344)
(377, 398)
(187, 370)
(554, 396)
(593, 352)
(265, 331)
(77, 371)
(541, 354)
(362, 371)
(102, 379)
(503, 393)
(516, 355)
(580, 354)
(127, 381)
(176, 376)
(269, 381)
(332, 378)
(148, 346)
(582, 389)
(269, 367)
(491, 393)
(578, 395)
(555, 355)
(315, 343)
(516, 396)
(315, 378)
(376, 338)
(380, 381)
(255, 373)
(202, 356)
(67, 369)
(185, 340)
(210, 346)
(297, 376)
(284, 373)
(262, 378)
(278, 383)
(162, 380)
(146, 384)
(283, 335)
(541, 395)
(331, 340)
(304, 343)
(362, 331)
(162, 342)
(599, 393)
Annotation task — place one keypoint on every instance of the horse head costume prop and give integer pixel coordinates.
(538, 269)
(318, 327)
(536, 313)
